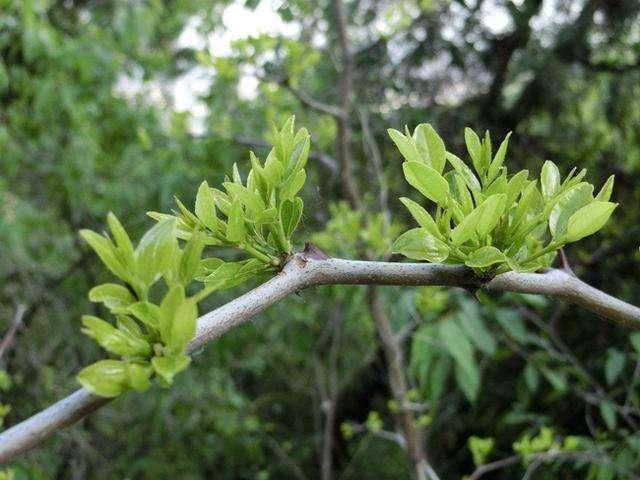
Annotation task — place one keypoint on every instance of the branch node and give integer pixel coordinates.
(312, 251)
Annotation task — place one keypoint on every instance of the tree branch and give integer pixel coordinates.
(303, 271)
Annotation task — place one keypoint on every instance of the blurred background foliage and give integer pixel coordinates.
(116, 105)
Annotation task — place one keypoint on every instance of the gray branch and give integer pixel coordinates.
(302, 272)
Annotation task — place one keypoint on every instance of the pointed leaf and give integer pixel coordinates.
(427, 181)
(168, 367)
(106, 378)
(236, 231)
(115, 297)
(588, 220)
(419, 244)
(549, 179)
(421, 216)
(406, 146)
(484, 257)
(604, 195)
(205, 207)
(430, 145)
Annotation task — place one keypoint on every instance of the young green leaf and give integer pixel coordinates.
(485, 257)
(498, 160)
(406, 146)
(106, 378)
(422, 217)
(148, 313)
(474, 147)
(419, 244)
(604, 195)
(205, 207)
(114, 340)
(236, 231)
(566, 204)
(464, 171)
(138, 376)
(489, 213)
(588, 220)
(156, 251)
(168, 367)
(290, 214)
(430, 146)
(178, 317)
(549, 179)
(427, 181)
(190, 258)
(115, 297)
(107, 253)
(122, 240)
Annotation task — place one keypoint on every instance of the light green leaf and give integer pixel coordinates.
(498, 159)
(427, 181)
(122, 240)
(588, 220)
(190, 258)
(178, 317)
(156, 251)
(566, 204)
(251, 200)
(516, 186)
(430, 146)
(604, 195)
(107, 253)
(484, 257)
(421, 216)
(549, 179)
(148, 313)
(115, 297)
(235, 223)
(205, 207)
(293, 185)
(419, 244)
(290, 214)
(138, 376)
(474, 147)
(482, 219)
(106, 378)
(168, 367)
(112, 339)
(406, 146)
(490, 212)
(464, 171)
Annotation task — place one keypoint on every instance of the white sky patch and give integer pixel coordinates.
(183, 93)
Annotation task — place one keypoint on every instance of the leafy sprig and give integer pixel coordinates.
(150, 337)
(485, 218)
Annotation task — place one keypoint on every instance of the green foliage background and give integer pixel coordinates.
(530, 374)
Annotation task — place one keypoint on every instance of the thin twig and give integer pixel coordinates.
(16, 323)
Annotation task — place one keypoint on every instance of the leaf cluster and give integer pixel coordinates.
(486, 218)
(155, 318)
(259, 214)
